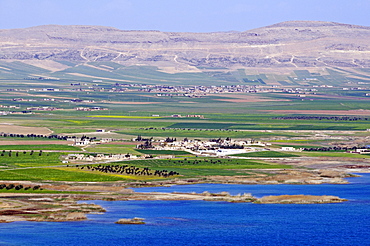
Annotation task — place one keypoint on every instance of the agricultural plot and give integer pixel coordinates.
(164, 152)
(113, 149)
(53, 174)
(54, 147)
(267, 154)
(47, 166)
(334, 154)
(111, 72)
(194, 133)
(192, 167)
(21, 159)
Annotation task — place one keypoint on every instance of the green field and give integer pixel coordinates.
(267, 154)
(29, 159)
(38, 174)
(334, 154)
(187, 167)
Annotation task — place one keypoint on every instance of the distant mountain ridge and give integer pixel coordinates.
(287, 44)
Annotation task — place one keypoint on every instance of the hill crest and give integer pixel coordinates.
(285, 44)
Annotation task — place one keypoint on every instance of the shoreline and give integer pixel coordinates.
(64, 204)
(57, 208)
(70, 207)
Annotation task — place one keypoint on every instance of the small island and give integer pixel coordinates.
(300, 199)
(132, 221)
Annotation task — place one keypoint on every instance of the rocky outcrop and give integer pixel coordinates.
(27, 207)
(60, 217)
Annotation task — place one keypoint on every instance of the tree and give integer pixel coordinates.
(10, 186)
(18, 187)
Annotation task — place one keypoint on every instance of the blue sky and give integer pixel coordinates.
(179, 15)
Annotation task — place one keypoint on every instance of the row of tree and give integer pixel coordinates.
(19, 187)
(219, 140)
(336, 148)
(10, 153)
(43, 136)
(335, 118)
(130, 170)
(195, 162)
(184, 129)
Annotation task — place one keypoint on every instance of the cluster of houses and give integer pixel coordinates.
(188, 116)
(109, 157)
(90, 109)
(212, 147)
(361, 151)
(84, 141)
(44, 108)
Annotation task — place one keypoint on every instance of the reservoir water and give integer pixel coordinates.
(214, 223)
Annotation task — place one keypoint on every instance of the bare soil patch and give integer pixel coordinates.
(8, 128)
(132, 102)
(47, 64)
(32, 142)
(95, 77)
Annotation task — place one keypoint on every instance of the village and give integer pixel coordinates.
(221, 148)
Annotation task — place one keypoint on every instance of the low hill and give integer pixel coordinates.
(294, 44)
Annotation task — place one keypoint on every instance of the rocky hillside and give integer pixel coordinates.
(287, 44)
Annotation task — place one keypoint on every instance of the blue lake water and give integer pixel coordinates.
(214, 223)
